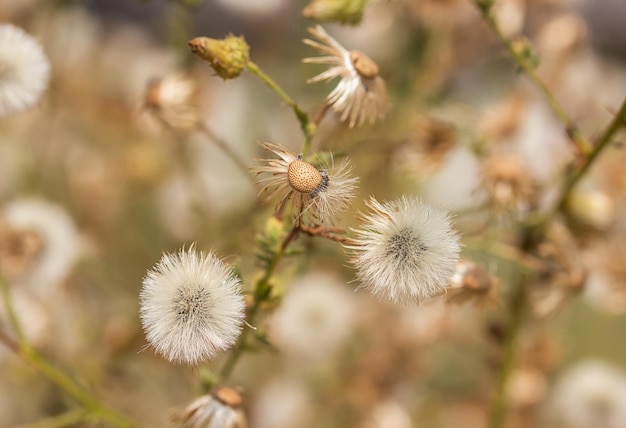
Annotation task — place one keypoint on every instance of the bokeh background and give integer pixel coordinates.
(118, 190)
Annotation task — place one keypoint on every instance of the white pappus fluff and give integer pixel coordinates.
(405, 251)
(191, 306)
(24, 70)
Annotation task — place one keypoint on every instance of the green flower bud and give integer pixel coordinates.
(484, 5)
(228, 57)
(343, 11)
(524, 50)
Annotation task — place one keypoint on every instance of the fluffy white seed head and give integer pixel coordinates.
(405, 251)
(39, 245)
(590, 394)
(191, 306)
(24, 70)
(316, 316)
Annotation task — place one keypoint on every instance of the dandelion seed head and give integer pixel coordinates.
(39, 244)
(191, 306)
(316, 316)
(24, 70)
(405, 251)
(590, 394)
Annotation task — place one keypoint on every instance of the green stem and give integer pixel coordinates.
(517, 307)
(529, 68)
(308, 128)
(507, 253)
(90, 403)
(603, 143)
(10, 308)
(262, 291)
(70, 418)
(225, 148)
(28, 354)
(64, 382)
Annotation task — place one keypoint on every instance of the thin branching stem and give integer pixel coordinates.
(262, 291)
(517, 308)
(25, 351)
(308, 127)
(89, 402)
(70, 418)
(225, 148)
(330, 233)
(599, 147)
(582, 144)
(65, 383)
(534, 233)
(10, 308)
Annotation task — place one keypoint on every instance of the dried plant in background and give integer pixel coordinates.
(490, 263)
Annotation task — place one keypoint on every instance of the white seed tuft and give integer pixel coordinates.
(405, 251)
(191, 306)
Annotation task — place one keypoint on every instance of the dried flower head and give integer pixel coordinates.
(563, 34)
(432, 138)
(24, 70)
(388, 414)
(19, 248)
(219, 409)
(471, 283)
(191, 306)
(317, 193)
(590, 394)
(591, 210)
(284, 402)
(605, 288)
(527, 388)
(561, 271)
(38, 244)
(228, 56)
(508, 184)
(170, 101)
(343, 11)
(502, 120)
(405, 251)
(315, 317)
(361, 95)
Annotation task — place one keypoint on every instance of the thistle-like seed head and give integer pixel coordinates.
(303, 176)
(228, 56)
(364, 65)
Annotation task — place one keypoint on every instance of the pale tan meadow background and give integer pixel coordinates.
(134, 190)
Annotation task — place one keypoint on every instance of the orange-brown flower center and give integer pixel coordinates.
(363, 64)
(303, 176)
(18, 248)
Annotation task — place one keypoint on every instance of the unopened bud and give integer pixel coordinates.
(524, 50)
(228, 56)
(343, 11)
(592, 209)
(484, 5)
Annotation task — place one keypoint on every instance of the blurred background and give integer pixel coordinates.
(109, 182)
